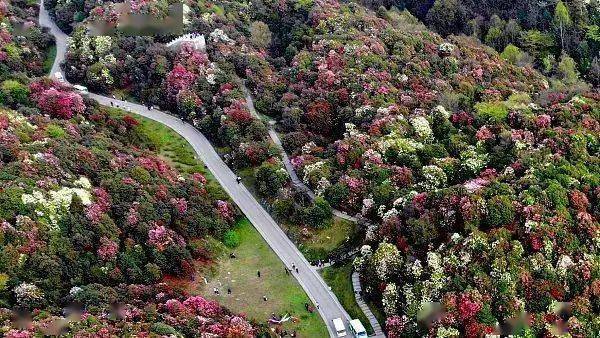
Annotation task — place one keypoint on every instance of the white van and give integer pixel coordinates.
(81, 89)
(59, 77)
(340, 329)
(358, 329)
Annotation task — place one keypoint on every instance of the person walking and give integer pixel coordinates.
(265, 298)
(287, 272)
(293, 266)
(238, 179)
(297, 270)
(258, 273)
(317, 304)
(228, 291)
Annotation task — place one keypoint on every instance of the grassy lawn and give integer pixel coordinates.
(49, 60)
(169, 145)
(240, 274)
(322, 241)
(339, 277)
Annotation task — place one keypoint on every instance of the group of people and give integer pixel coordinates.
(217, 292)
(310, 308)
(113, 104)
(294, 268)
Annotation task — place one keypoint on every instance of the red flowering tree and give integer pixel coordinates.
(56, 100)
(179, 79)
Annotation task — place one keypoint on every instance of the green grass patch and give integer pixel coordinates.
(323, 241)
(339, 277)
(169, 145)
(49, 60)
(240, 274)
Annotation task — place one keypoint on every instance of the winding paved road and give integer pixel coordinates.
(308, 277)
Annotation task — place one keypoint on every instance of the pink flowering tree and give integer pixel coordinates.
(56, 100)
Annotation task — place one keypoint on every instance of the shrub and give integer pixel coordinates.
(164, 329)
(55, 131)
(511, 54)
(557, 195)
(283, 208)
(500, 211)
(269, 179)
(14, 92)
(337, 193)
(231, 239)
(493, 112)
(319, 214)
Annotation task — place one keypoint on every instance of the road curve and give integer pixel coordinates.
(312, 283)
(60, 37)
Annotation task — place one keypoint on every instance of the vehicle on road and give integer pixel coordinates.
(59, 77)
(357, 329)
(340, 329)
(81, 89)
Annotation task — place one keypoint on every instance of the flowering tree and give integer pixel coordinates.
(56, 100)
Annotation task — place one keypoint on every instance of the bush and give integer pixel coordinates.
(164, 329)
(500, 211)
(283, 208)
(512, 54)
(269, 179)
(231, 239)
(319, 214)
(337, 193)
(55, 131)
(493, 112)
(13, 93)
(557, 195)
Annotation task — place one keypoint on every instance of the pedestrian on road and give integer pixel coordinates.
(293, 266)
(297, 271)
(317, 304)
(258, 273)
(112, 104)
(238, 179)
